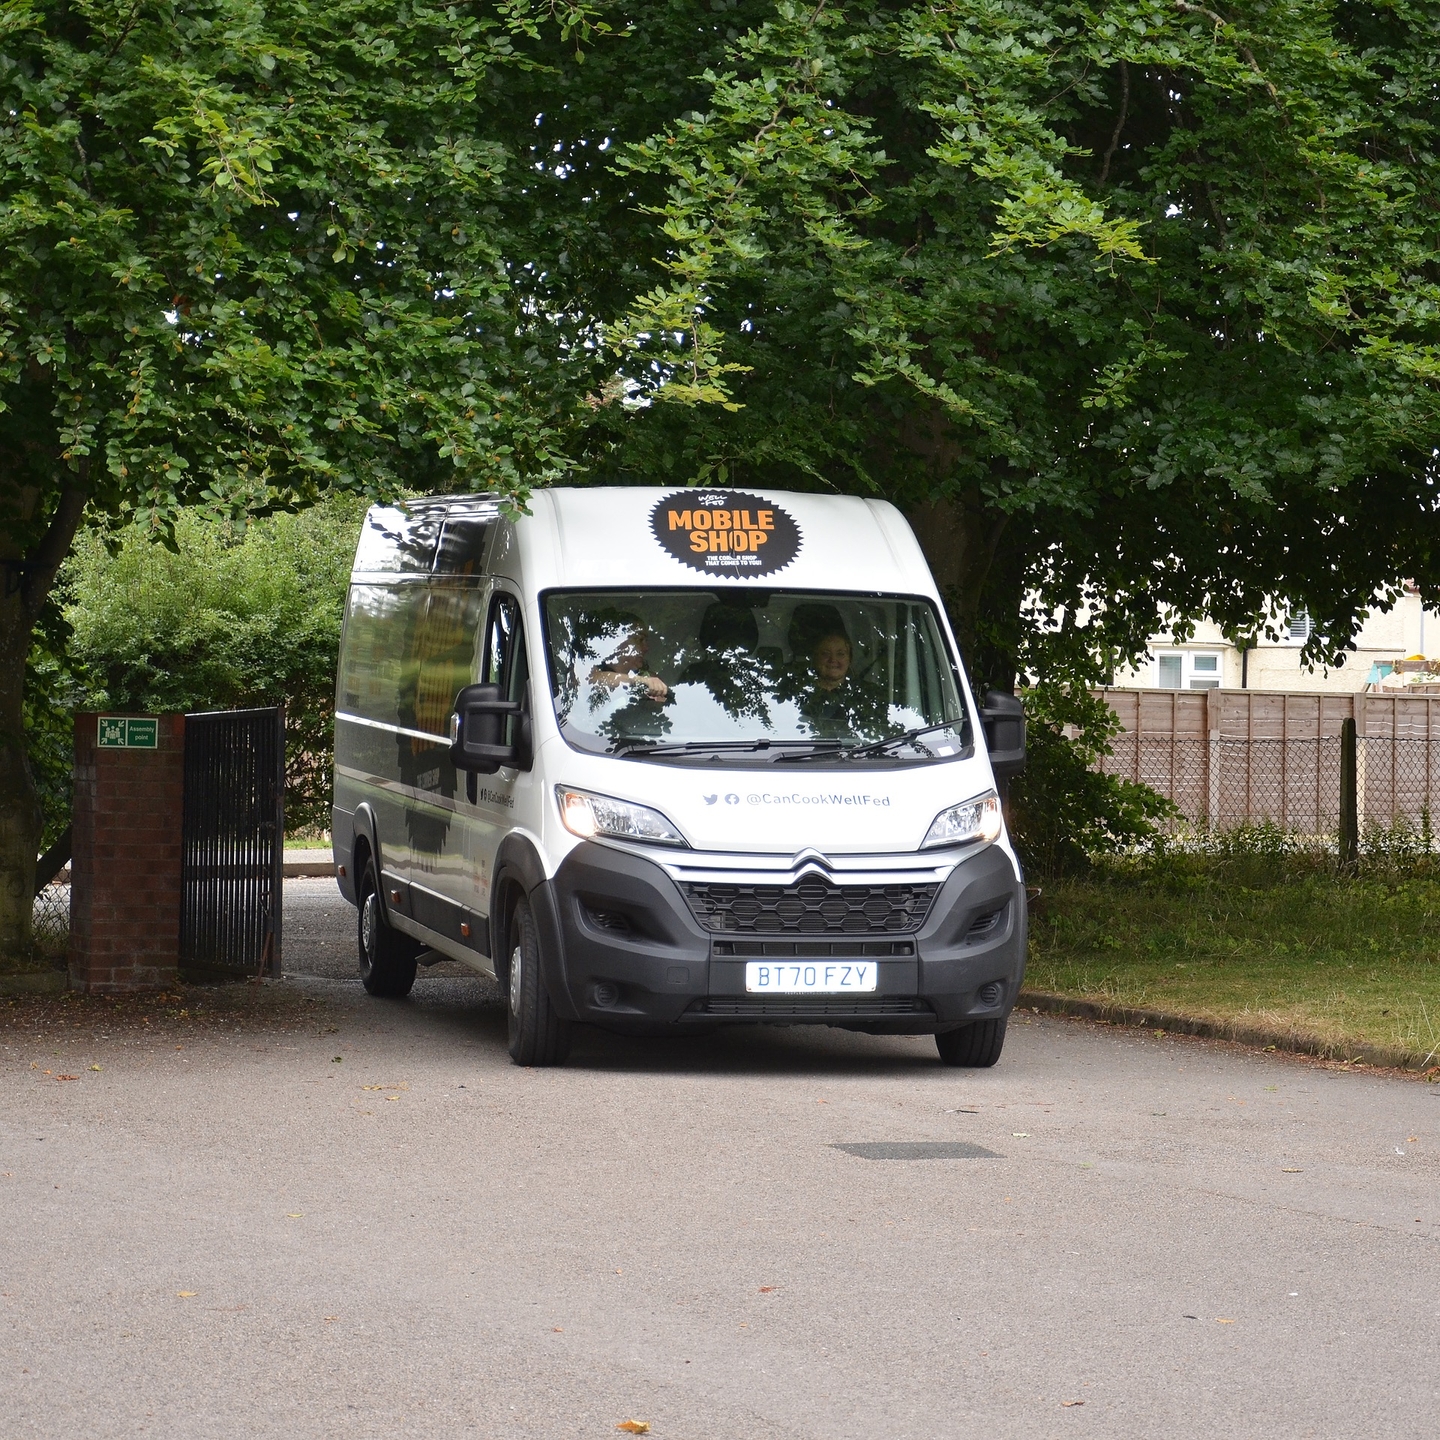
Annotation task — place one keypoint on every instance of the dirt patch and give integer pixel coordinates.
(182, 1009)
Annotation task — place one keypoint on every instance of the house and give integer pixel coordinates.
(1389, 655)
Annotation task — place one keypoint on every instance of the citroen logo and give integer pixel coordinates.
(809, 860)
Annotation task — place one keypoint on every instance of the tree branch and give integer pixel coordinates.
(1119, 123)
(44, 561)
(1221, 23)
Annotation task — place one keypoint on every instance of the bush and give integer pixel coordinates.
(1063, 811)
(238, 616)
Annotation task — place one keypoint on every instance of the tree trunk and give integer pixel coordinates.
(974, 554)
(19, 807)
(26, 584)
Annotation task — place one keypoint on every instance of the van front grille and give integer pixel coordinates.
(811, 906)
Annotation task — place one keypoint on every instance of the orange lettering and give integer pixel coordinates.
(702, 519)
(697, 542)
(719, 540)
(720, 520)
(740, 540)
(757, 538)
(767, 519)
(680, 521)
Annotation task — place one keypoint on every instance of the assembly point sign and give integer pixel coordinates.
(120, 732)
(726, 532)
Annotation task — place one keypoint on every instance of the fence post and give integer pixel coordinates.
(1213, 721)
(1349, 799)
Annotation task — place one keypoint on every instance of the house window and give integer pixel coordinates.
(1189, 670)
(1205, 672)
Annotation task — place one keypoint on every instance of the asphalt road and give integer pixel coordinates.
(232, 1234)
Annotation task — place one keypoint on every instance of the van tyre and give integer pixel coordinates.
(538, 1036)
(975, 1046)
(387, 958)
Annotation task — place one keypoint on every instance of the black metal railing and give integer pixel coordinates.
(233, 842)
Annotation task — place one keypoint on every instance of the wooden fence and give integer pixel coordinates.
(1226, 757)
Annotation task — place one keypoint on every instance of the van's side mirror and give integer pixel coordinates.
(1003, 718)
(477, 730)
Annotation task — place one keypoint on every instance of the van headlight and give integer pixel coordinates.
(584, 814)
(977, 819)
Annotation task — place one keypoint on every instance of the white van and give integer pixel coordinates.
(670, 760)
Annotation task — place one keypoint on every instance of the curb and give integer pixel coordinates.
(308, 869)
(1295, 1042)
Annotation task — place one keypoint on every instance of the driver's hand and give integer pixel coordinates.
(655, 687)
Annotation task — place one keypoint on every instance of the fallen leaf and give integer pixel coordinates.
(332, 1317)
(295, 1215)
(1223, 1320)
(766, 1289)
(1020, 1134)
(94, 1067)
(67, 1077)
(392, 1097)
(1411, 1139)
(1070, 1404)
(634, 1427)
(187, 1294)
(1291, 1170)
(372, 1087)
(557, 1330)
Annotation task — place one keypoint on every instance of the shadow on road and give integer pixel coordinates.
(449, 1000)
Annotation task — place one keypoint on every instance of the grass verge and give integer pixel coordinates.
(1269, 945)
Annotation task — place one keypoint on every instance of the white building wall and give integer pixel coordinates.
(1401, 632)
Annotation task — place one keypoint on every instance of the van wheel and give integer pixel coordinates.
(387, 958)
(538, 1036)
(976, 1046)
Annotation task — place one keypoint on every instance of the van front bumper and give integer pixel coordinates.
(628, 952)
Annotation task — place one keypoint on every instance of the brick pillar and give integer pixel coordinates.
(125, 858)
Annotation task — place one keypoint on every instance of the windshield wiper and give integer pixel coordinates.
(879, 747)
(704, 747)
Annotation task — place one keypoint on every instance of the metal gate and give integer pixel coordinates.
(233, 842)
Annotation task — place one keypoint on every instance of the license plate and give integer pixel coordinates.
(816, 977)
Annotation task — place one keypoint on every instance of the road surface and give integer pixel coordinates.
(363, 1221)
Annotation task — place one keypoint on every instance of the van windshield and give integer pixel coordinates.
(744, 671)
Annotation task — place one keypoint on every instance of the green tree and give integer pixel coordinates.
(249, 254)
(236, 615)
(1132, 306)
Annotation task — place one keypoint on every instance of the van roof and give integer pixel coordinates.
(624, 537)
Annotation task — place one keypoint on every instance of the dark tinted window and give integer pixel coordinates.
(463, 540)
(408, 648)
(398, 539)
(504, 662)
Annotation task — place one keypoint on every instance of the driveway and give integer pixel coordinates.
(334, 1216)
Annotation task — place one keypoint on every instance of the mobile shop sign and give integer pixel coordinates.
(116, 732)
(726, 531)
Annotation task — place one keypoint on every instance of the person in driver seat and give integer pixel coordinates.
(628, 665)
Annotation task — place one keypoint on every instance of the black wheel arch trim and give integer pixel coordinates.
(518, 867)
(367, 829)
